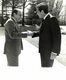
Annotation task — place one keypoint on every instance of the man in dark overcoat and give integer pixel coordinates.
(13, 38)
(49, 36)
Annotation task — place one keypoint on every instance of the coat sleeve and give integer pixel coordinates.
(36, 34)
(56, 36)
(12, 32)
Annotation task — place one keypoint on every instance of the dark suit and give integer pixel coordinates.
(49, 40)
(13, 42)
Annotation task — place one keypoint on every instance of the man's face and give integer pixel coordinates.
(40, 14)
(18, 16)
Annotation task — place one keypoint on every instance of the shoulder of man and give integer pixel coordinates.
(9, 21)
(53, 18)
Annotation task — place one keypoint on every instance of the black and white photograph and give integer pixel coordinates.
(32, 39)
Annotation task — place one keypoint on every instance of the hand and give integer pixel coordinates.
(29, 33)
(53, 55)
(37, 27)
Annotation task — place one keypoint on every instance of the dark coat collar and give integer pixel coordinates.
(13, 19)
(48, 17)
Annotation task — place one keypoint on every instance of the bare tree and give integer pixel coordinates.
(57, 8)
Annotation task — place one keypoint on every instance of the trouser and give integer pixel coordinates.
(12, 59)
(46, 61)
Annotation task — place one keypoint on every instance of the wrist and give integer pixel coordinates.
(54, 53)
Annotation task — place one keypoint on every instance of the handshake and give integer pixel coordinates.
(28, 33)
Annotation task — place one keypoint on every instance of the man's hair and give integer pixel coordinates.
(14, 11)
(42, 6)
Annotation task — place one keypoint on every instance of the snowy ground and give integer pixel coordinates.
(29, 65)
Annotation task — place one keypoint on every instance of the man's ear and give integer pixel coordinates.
(15, 14)
(42, 11)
